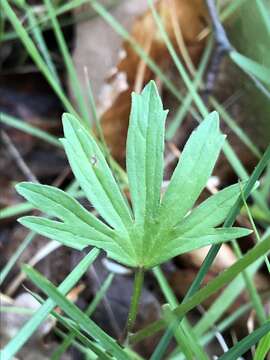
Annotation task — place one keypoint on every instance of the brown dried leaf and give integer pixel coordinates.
(183, 21)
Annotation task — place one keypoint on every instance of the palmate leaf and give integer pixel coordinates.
(155, 229)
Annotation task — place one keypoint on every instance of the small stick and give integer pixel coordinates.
(223, 47)
(18, 158)
(106, 304)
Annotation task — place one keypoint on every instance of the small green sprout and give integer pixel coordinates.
(155, 228)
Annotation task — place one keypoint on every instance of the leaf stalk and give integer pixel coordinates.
(135, 300)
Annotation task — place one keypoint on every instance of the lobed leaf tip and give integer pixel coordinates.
(66, 116)
(24, 185)
(24, 219)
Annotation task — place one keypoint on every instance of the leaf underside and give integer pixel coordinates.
(156, 228)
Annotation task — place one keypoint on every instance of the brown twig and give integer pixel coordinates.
(16, 156)
(106, 304)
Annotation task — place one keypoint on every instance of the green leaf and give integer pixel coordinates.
(75, 313)
(193, 170)
(94, 175)
(29, 328)
(145, 147)
(159, 229)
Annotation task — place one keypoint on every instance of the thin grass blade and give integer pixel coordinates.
(245, 344)
(213, 286)
(28, 329)
(250, 66)
(75, 313)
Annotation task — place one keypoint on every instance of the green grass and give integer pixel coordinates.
(28, 329)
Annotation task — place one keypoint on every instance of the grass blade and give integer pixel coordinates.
(13, 259)
(224, 301)
(182, 71)
(15, 210)
(187, 102)
(213, 286)
(41, 44)
(28, 329)
(89, 311)
(263, 348)
(251, 67)
(235, 128)
(29, 129)
(184, 333)
(118, 28)
(75, 313)
(35, 55)
(245, 344)
(77, 91)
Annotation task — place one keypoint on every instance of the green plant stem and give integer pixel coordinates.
(137, 290)
(212, 287)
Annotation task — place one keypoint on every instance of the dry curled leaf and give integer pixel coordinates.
(183, 21)
(115, 69)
